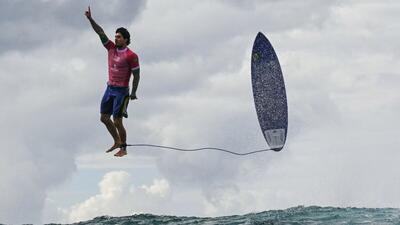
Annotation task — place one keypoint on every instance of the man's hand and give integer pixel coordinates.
(133, 96)
(88, 14)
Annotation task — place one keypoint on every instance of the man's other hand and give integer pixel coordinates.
(133, 96)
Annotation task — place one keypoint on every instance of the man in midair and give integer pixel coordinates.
(122, 62)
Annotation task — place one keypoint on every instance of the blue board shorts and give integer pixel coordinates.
(115, 101)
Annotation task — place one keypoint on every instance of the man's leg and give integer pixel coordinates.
(122, 134)
(105, 118)
(121, 129)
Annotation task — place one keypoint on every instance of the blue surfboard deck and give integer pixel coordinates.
(269, 93)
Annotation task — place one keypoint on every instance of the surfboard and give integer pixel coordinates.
(269, 93)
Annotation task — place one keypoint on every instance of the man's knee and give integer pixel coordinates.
(118, 122)
(104, 118)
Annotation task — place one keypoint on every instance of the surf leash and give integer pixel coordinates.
(199, 149)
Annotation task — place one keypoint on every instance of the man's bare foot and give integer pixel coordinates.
(115, 146)
(121, 152)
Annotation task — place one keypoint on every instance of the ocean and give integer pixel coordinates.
(295, 215)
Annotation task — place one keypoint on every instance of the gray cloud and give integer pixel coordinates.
(33, 24)
(47, 120)
(220, 44)
(209, 24)
(332, 85)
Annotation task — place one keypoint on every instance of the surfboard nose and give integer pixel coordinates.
(260, 35)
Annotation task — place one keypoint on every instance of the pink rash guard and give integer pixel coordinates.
(121, 63)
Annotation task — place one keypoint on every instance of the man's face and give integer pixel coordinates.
(119, 40)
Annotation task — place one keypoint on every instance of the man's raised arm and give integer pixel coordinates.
(96, 27)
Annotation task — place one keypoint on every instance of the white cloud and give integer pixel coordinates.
(160, 188)
(118, 196)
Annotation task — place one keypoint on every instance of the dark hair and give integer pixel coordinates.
(124, 32)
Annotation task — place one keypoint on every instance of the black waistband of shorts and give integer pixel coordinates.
(117, 87)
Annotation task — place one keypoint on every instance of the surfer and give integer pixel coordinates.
(122, 62)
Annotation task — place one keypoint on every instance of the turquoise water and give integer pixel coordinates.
(295, 215)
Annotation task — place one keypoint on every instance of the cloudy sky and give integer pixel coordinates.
(340, 61)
